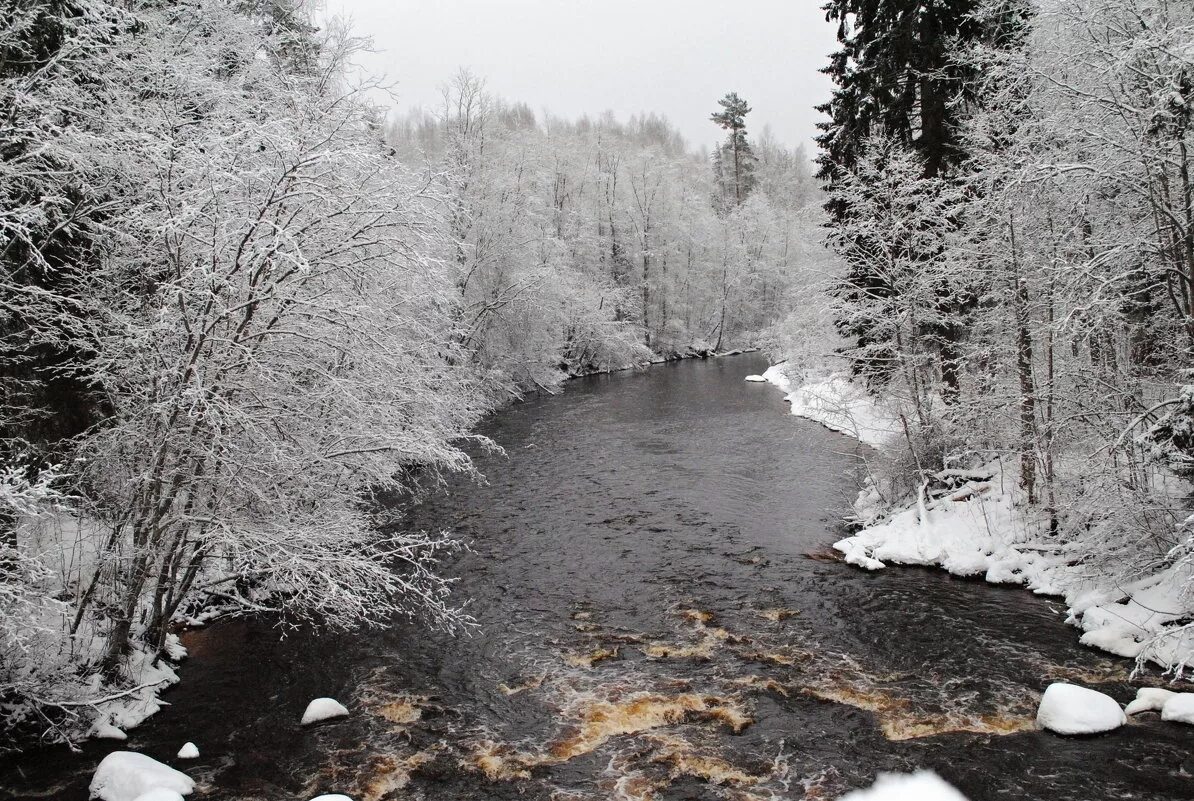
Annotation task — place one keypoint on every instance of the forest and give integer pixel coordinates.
(1014, 214)
(239, 302)
(257, 319)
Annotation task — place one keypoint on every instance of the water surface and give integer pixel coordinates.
(658, 620)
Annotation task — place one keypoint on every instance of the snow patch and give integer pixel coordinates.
(323, 709)
(838, 404)
(756, 379)
(331, 798)
(1149, 699)
(128, 776)
(1070, 709)
(189, 751)
(923, 785)
(1179, 708)
(979, 530)
(159, 794)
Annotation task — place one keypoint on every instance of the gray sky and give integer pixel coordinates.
(674, 57)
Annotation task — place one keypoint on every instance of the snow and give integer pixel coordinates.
(1149, 699)
(159, 794)
(127, 776)
(129, 709)
(188, 751)
(980, 531)
(1179, 708)
(838, 404)
(323, 709)
(755, 378)
(331, 798)
(1070, 709)
(923, 785)
(106, 731)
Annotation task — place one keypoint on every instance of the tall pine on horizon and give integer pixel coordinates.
(733, 160)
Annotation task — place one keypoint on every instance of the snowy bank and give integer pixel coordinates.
(979, 531)
(836, 403)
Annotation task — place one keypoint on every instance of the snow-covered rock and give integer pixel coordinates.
(103, 730)
(160, 794)
(331, 798)
(1179, 708)
(1149, 699)
(923, 785)
(756, 379)
(127, 776)
(1070, 709)
(323, 709)
(189, 751)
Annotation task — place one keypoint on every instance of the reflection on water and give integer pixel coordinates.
(661, 619)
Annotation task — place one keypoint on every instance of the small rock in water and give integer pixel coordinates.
(106, 731)
(755, 378)
(924, 785)
(331, 798)
(1070, 709)
(323, 709)
(1149, 699)
(1179, 708)
(188, 751)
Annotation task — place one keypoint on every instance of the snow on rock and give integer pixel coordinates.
(331, 798)
(103, 730)
(127, 776)
(1070, 709)
(189, 751)
(758, 379)
(838, 404)
(1149, 699)
(323, 709)
(923, 785)
(1179, 708)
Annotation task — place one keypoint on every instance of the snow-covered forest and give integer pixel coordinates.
(239, 303)
(1009, 191)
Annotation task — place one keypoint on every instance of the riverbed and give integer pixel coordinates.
(659, 617)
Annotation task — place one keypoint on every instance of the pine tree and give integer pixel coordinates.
(734, 162)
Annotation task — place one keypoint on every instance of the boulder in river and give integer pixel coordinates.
(323, 709)
(129, 776)
(1149, 699)
(1179, 708)
(924, 785)
(1070, 709)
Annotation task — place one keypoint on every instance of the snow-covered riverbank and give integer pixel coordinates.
(979, 530)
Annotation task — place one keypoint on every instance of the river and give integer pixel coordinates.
(659, 619)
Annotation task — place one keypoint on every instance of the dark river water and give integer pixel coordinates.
(659, 619)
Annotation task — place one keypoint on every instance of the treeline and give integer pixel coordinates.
(1010, 190)
(237, 306)
(584, 245)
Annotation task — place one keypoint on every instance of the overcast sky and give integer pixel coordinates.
(674, 57)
